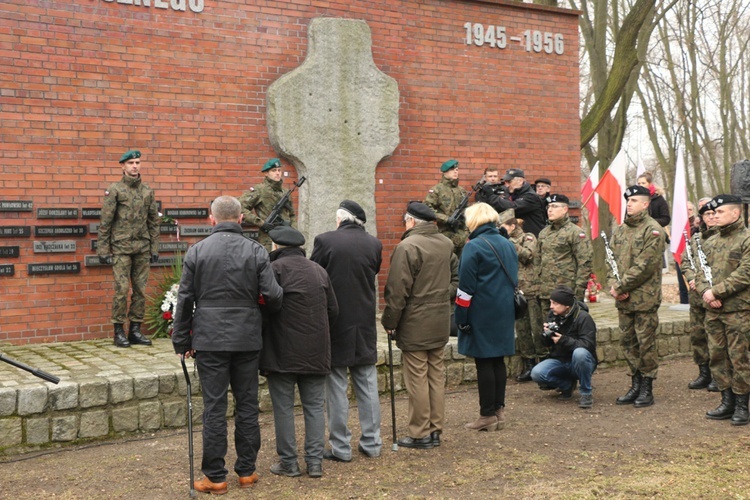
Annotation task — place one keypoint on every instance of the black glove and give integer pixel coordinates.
(105, 259)
(465, 329)
(452, 223)
(266, 227)
(154, 258)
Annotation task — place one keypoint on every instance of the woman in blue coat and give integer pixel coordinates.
(484, 310)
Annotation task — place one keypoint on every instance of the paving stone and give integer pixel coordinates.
(175, 413)
(94, 424)
(149, 415)
(454, 374)
(167, 383)
(146, 385)
(7, 401)
(32, 399)
(64, 396)
(93, 392)
(120, 388)
(64, 428)
(470, 372)
(125, 419)
(10, 432)
(37, 430)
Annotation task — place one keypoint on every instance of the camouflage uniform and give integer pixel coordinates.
(129, 231)
(638, 247)
(729, 257)
(563, 257)
(443, 199)
(261, 199)
(529, 327)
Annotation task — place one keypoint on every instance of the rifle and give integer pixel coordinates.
(689, 251)
(455, 218)
(274, 218)
(610, 257)
(704, 262)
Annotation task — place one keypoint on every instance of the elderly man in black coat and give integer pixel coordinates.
(523, 199)
(352, 259)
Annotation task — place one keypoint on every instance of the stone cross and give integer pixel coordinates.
(334, 117)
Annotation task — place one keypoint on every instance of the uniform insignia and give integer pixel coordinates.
(582, 235)
(252, 189)
(529, 238)
(655, 232)
(106, 192)
(431, 191)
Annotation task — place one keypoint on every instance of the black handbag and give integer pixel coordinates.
(520, 304)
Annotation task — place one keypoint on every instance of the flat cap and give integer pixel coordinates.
(420, 211)
(129, 155)
(723, 199)
(448, 165)
(353, 208)
(272, 163)
(543, 180)
(286, 236)
(558, 198)
(637, 191)
(513, 173)
(507, 215)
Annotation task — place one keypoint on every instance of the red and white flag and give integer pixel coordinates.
(680, 220)
(591, 199)
(613, 185)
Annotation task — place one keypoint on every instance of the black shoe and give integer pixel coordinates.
(546, 387)
(726, 409)
(646, 395)
(135, 336)
(424, 443)
(525, 375)
(315, 470)
(632, 394)
(712, 387)
(566, 394)
(285, 470)
(703, 379)
(120, 339)
(366, 453)
(328, 455)
(435, 437)
(741, 415)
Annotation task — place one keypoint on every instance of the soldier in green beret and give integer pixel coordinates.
(129, 240)
(443, 199)
(259, 200)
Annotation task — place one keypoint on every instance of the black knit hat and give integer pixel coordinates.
(563, 294)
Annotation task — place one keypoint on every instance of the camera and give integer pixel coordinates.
(549, 331)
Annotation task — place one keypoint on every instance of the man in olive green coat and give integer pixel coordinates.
(444, 199)
(129, 240)
(259, 200)
(638, 247)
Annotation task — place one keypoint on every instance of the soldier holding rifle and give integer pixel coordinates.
(444, 199)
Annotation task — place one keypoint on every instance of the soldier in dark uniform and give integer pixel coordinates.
(129, 240)
(444, 199)
(259, 200)
(638, 246)
(492, 186)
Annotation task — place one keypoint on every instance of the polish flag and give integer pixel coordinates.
(680, 220)
(613, 185)
(640, 169)
(591, 199)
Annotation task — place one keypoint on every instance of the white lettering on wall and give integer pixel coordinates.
(176, 5)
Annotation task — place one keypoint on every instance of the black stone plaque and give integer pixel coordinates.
(7, 269)
(195, 230)
(251, 234)
(190, 213)
(168, 229)
(59, 230)
(15, 231)
(54, 246)
(56, 213)
(93, 261)
(9, 252)
(575, 204)
(55, 268)
(173, 246)
(94, 227)
(574, 219)
(94, 244)
(91, 213)
(165, 261)
(16, 206)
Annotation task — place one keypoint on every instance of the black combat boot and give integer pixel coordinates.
(703, 380)
(712, 387)
(741, 415)
(525, 375)
(632, 394)
(120, 339)
(646, 395)
(135, 336)
(726, 409)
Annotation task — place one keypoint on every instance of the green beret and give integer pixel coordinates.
(272, 163)
(129, 155)
(448, 165)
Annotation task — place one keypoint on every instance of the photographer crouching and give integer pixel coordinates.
(570, 333)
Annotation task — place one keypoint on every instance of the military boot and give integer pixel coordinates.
(525, 375)
(713, 387)
(726, 409)
(632, 394)
(741, 415)
(120, 339)
(646, 395)
(135, 336)
(703, 379)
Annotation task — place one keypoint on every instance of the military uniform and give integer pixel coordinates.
(563, 257)
(129, 232)
(258, 202)
(443, 199)
(529, 327)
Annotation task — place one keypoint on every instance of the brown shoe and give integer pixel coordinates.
(205, 485)
(483, 424)
(248, 481)
(500, 414)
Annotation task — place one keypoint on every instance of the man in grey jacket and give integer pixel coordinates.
(218, 322)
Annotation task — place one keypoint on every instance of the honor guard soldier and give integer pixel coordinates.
(638, 247)
(444, 199)
(723, 284)
(129, 240)
(259, 200)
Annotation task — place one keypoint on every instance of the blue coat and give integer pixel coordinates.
(485, 295)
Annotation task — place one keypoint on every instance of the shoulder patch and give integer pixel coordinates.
(655, 232)
(106, 192)
(252, 189)
(582, 235)
(529, 238)
(431, 191)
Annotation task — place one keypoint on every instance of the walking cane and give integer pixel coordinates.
(394, 447)
(189, 424)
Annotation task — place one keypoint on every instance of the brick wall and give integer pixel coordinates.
(81, 81)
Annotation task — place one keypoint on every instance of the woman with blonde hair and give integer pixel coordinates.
(485, 314)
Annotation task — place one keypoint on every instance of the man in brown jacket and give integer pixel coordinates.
(421, 285)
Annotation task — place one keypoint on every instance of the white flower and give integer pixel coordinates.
(166, 306)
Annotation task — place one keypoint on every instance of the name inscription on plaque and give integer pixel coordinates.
(7, 270)
(15, 231)
(93, 261)
(59, 230)
(55, 268)
(94, 227)
(56, 213)
(91, 213)
(195, 230)
(173, 246)
(10, 251)
(54, 246)
(187, 212)
(168, 229)
(16, 206)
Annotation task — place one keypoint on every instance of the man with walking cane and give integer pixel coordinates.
(218, 322)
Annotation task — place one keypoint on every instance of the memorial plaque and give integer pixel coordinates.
(93, 261)
(196, 230)
(575, 204)
(15, 231)
(56, 213)
(59, 230)
(7, 269)
(574, 219)
(94, 244)
(251, 234)
(173, 246)
(9, 252)
(168, 229)
(194, 213)
(165, 261)
(54, 246)
(94, 227)
(16, 206)
(55, 268)
(91, 213)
